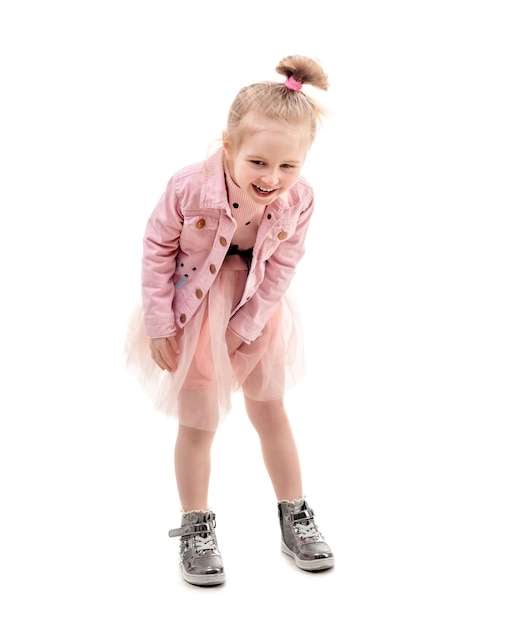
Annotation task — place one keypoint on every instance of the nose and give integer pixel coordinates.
(270, 178)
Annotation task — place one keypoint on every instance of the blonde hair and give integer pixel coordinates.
(276, 101)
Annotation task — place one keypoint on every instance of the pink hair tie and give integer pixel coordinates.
(293, 84)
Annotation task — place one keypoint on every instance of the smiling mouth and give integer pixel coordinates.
(262, 190)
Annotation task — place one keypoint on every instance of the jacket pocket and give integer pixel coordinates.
(198, 231)
(281, 231)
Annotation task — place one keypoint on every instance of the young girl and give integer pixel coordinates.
(220, 250)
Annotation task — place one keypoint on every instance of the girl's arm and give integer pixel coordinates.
(280, 268)
(160, 247)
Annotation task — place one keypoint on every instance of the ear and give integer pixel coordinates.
(226, 143)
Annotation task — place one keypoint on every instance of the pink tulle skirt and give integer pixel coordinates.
(199, 391)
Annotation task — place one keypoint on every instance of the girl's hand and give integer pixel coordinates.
(233, 341)
(164, 352)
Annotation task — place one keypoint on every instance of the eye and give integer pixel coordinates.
(257, 162)
(287, 166)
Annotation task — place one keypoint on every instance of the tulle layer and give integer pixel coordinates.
(199, 391)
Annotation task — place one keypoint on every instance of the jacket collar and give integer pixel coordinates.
(213, 193)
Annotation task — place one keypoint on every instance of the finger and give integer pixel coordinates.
(173, 343)
(160, 356)
(164, 351)
(156, 356)
(169, 355)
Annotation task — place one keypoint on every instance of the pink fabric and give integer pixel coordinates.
(199, 391)
(187, 238)
(292, 83)
(190, 287)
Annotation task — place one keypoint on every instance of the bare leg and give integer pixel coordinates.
(193, 467)
(278, 446)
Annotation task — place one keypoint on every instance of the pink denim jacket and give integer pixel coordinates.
(186, 241)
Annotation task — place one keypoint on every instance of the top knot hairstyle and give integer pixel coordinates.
(284, 102)
(303, 70)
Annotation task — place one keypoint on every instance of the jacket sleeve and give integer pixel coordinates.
(160, 247)
(249, 321)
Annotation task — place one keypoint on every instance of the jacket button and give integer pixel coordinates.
(223, 241)
(201, 223)
(212, 268)
(198, 293)
(282, 235)
(182, 318)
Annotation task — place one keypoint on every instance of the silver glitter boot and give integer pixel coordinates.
(301, 538)
(201, 562)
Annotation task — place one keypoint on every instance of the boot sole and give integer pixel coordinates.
(309, 566)
(203, 580)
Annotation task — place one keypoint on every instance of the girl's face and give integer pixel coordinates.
(268, 160)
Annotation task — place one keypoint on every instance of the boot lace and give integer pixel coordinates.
(204, 542)
(308, 531)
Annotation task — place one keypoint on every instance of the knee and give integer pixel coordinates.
(195, 437)
(267, 414)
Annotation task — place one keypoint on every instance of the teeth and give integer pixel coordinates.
(264, 190)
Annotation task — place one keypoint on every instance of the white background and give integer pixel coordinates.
(408, 420)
